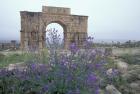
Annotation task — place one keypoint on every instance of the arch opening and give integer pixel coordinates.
(55, 34)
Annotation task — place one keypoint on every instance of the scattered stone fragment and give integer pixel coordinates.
(112, 90)
(122, 67)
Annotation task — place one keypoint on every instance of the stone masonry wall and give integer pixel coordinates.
(33, 25)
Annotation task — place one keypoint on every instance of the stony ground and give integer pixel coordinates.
(129, 73)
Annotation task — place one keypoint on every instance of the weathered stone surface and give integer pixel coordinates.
(33, 26)
(56, 10)
(133, 73)
(122, 66)
(109, 72)
(135, 85)
(112, 90)
(132, 76)
(20, 66)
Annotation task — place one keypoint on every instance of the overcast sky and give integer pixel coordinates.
(108, 19)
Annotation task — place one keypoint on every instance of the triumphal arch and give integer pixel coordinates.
(33, 26)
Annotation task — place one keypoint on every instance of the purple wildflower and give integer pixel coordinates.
(74, 66)
(97, 91)
(77, 91)
(64, 61)
(33, 66)
(115, 72)
(45, 88)
(112, 72)
(73, 48)
(93, 53)
(91, 80)
(98, 65)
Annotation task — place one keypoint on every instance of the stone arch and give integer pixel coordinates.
(75, 26)
(60, 23)
(64, 29)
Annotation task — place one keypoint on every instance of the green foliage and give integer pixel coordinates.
(5, 60)
(1, 56)
(131, 59)
(8, 59)
(110, 63)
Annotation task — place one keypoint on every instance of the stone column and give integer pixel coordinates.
(21, 40)
(67, 36)
(40, 40)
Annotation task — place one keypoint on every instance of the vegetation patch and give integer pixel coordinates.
(131, 59)
(74, 72)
